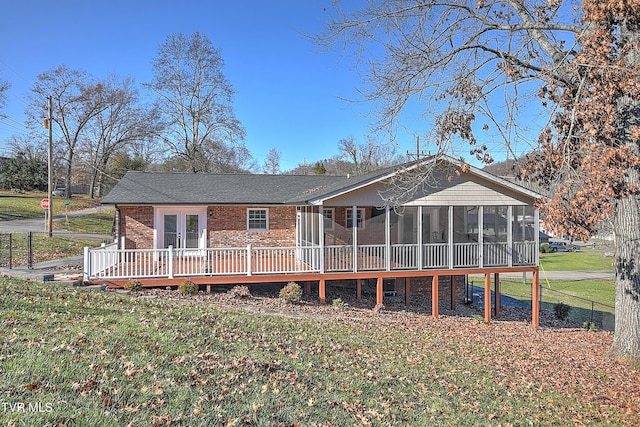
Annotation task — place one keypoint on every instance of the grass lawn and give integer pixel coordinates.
(27, 205)
(47, 248)
(74, 357)
(96, 223)
(586, 259)
(590, 300)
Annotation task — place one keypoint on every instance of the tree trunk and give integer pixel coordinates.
(626, 341)
(68, 176)
(626, 226)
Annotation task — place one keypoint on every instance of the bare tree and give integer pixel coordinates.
(4, 87)
(272, 162)
(475, 67)
(121, 123)
(195, 98)
(76, 100)
(366, 157)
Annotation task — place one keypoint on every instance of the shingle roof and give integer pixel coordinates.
(151, 188)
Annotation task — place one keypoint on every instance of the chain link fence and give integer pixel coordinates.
(28, 249)
(584, 312)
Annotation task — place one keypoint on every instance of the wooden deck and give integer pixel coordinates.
(162, 268)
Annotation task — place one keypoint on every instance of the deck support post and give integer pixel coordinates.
(407, 291)
(434, 296)
(208, 288)
(379, 291)
(496, 285)
(453, 291)
(535, 300)
(487, 297)
(321, 291)
(358, 289)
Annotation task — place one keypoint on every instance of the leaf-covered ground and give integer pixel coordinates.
(74, 357)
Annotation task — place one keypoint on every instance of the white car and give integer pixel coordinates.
(58, 192)
(562, 247)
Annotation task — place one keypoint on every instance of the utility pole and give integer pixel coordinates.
(50, 176)
(418, 153)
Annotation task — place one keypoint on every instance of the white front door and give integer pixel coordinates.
(181, 228)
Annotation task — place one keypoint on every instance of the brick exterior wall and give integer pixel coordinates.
(227, 227)
(135, 224)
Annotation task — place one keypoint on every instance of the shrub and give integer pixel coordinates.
(545, 248)
(338, 303)
(240, 292)
(133, 285)
(188, 287)
(561, 310)
(292, 293)
(589, 326)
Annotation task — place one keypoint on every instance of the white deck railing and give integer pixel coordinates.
(108, 262)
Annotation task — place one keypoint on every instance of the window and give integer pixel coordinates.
(257, 220)
(328, 215)
(359, 218)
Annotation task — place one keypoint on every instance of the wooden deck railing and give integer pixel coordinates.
(108, 262)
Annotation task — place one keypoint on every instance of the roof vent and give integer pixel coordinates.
(348, 175)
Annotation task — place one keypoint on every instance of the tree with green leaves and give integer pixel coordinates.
(488, 71)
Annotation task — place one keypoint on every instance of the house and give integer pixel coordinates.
(243, 228)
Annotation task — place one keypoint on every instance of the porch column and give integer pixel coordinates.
(387, 238)
(407, 291)
(535, 300)
(496, 286)
(451, 251)
(487, 297)
(434, 296)
(321, 291)
(379, 291)
(536, 233)
(321, 239)
(358, 289)
(419, 240)
(481, 236)
(510, 236)
(354, 230)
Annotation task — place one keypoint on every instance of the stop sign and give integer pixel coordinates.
(44, 203)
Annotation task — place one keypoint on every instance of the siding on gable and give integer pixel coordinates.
(447, 189)
(468, 193)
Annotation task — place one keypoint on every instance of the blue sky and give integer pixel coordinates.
(288, 90)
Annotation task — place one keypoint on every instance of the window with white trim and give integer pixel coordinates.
(257, 219)
(328, 214)
(359, 218)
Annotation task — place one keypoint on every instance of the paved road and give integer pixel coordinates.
(39, 225)
(48, 268)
